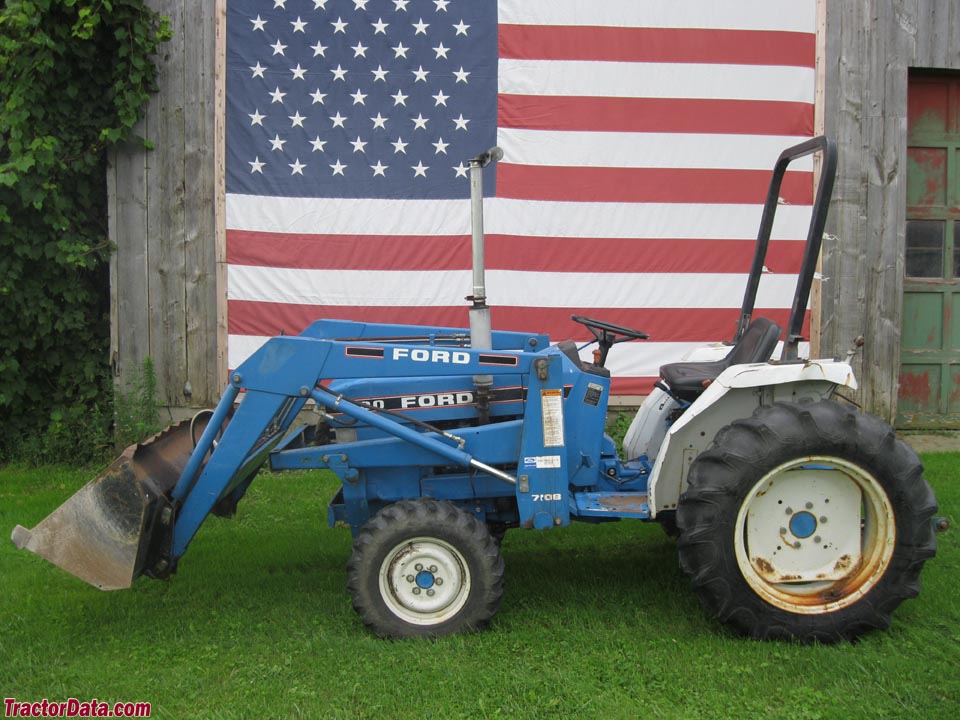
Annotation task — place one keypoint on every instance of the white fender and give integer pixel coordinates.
(646, 432)
(738, 391)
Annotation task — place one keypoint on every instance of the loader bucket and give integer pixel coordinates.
(113, 529)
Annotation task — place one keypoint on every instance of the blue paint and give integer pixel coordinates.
(425, 579)
(803, 524)
(381, 458)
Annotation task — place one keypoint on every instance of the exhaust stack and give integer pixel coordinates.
(481, 336)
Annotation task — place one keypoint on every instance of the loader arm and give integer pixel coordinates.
(278, 379)
(139, 515)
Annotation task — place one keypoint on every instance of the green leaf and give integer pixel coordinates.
(73, 79)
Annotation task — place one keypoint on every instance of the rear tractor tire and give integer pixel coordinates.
(807, 521)
(424, 568)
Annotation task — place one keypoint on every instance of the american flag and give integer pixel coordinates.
(638, 140)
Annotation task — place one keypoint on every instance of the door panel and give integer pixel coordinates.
(927, 176)
(922, 321)
(930, 338)
(919, 391)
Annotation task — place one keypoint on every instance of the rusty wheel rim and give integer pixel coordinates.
(802, 555)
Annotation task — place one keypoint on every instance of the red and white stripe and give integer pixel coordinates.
(638, 139)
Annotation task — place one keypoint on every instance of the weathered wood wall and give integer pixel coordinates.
(168, 279)
(868, 47)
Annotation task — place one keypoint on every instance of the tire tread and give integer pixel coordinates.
(741, 454)
(416, 517)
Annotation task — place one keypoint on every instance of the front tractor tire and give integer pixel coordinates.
(424, 568)
(807, 521)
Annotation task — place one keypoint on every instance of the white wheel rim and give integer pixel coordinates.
(782, 537)
(424, 581)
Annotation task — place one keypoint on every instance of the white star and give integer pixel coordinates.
(339, 26)
(399, 99)
(298, 25)
(401, 5)
(360, 4)
(460, 122)
(441, 4)
(420, 122)
(358, 98)
(256, 118)
(359, 50)
(297, 167)
(379, 73)
(441, 51)
(420, 74)
(338, 119)
(338, 168)
(461, 75)
(320, 4)
(258, 70)
(379, 169)
(258, 24)
(278, 48)
(296, 119)
(256, 165)
(441, 146)
(380, 26)
(461, 28)
(421, 27)
(298, 72)
(317, 97)
(420, 170)
(400, 146)
(319, 49)
(440, 98)
(461, 170)
(277, 96)
(358, 144)
(339, 72)
(379, 122)
(279, 4)
(400, 51)
(277, 143)
(318, 144)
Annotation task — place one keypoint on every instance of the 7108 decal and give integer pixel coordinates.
(545, 497)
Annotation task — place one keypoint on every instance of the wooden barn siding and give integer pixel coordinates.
(868, 48)
(168, 272)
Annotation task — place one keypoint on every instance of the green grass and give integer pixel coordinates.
(597, 621)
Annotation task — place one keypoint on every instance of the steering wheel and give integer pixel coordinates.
(607, 334)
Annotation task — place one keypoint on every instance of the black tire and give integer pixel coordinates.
(498, 531)
(424, 568)
(668, 522)
(733, 503)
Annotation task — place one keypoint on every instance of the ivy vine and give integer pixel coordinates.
(75, 77)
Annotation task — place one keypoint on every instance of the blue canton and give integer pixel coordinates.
(359, 98)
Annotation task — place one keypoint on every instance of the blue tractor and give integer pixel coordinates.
(796, 515)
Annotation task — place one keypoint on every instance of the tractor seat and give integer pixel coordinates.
(688, 379)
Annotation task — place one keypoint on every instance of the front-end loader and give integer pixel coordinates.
(797, 515)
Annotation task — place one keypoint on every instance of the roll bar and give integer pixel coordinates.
(821, 205)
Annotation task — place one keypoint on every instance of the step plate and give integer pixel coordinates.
(610, 504)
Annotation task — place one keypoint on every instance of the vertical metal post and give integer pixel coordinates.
(481, 336)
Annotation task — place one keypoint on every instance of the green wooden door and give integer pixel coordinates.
(930, 345)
